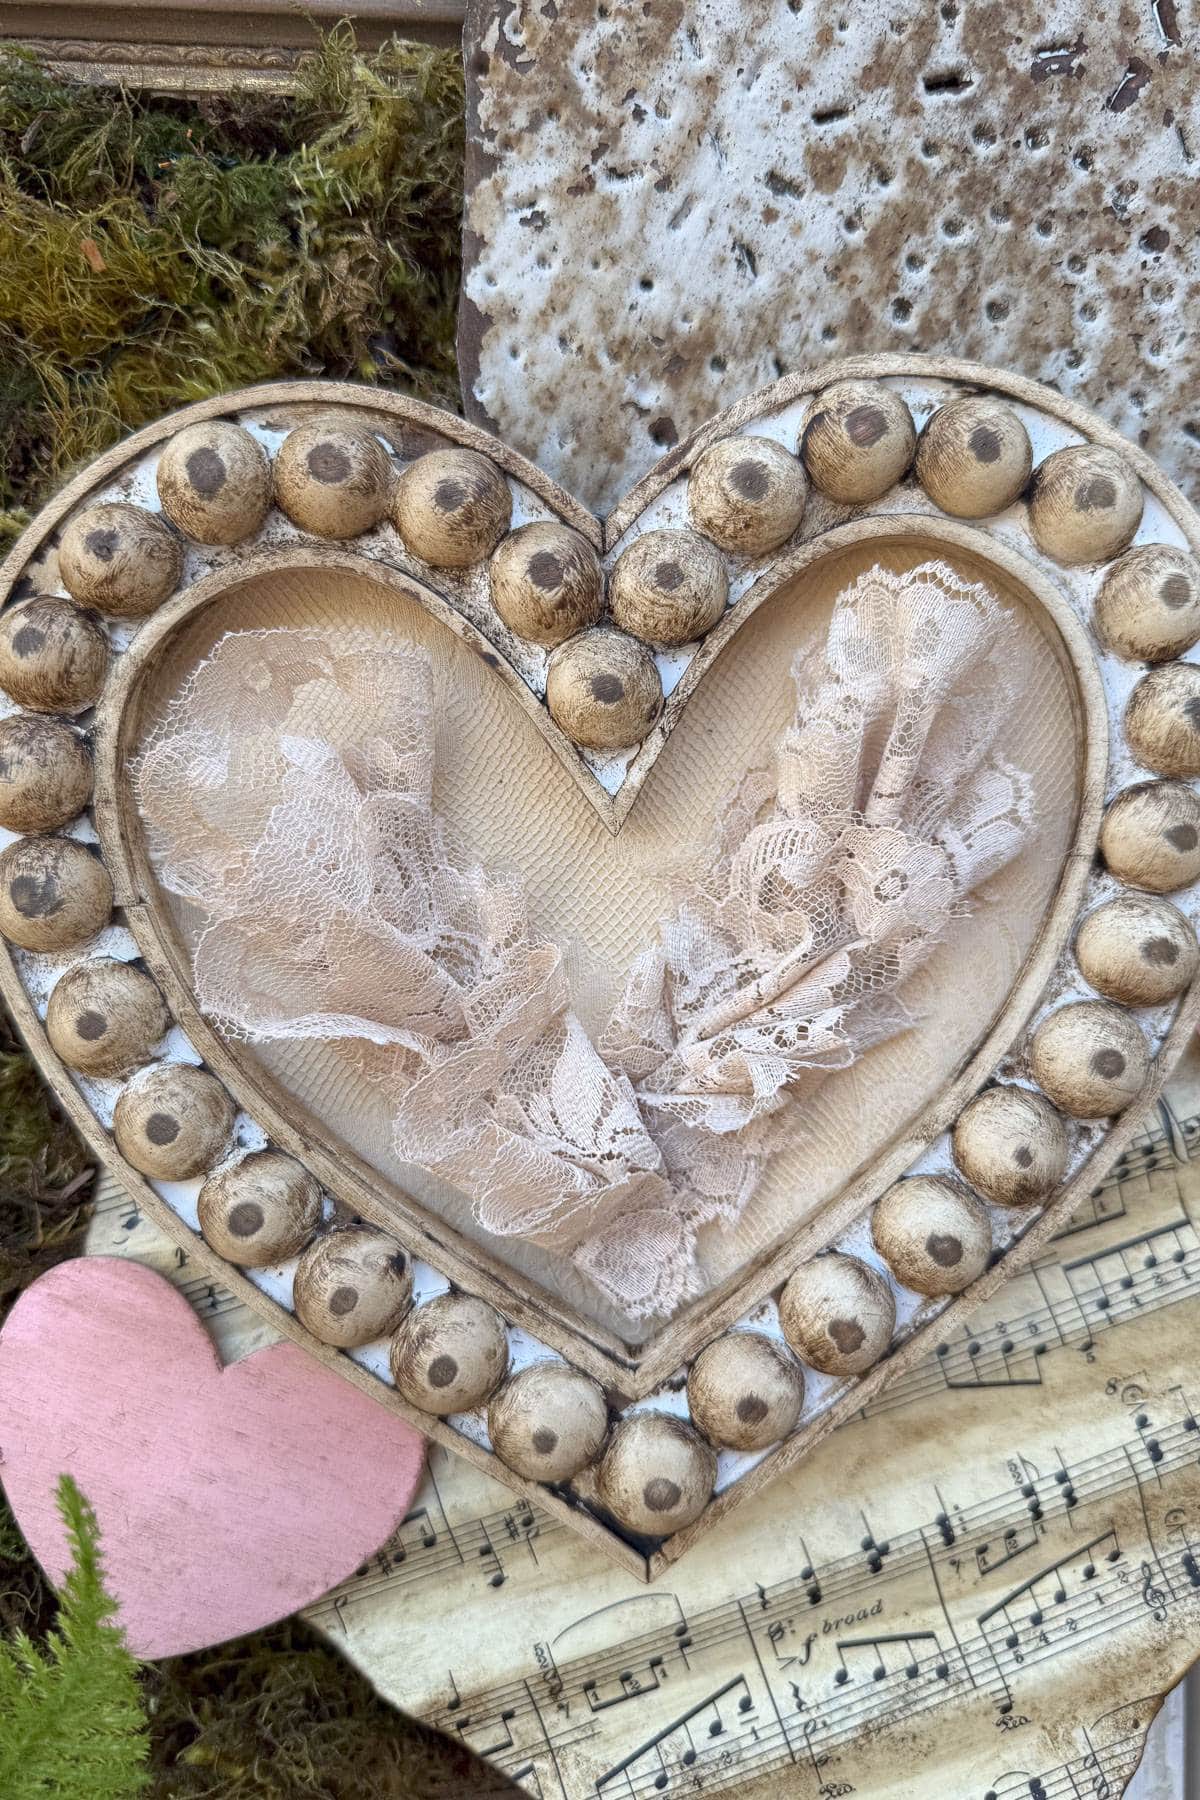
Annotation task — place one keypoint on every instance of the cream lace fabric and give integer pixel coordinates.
(288, 795)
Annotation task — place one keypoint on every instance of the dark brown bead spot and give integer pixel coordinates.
(847, 1334)
(1023, 1156)
(1182, 837)
(442, 1371)
(985, 444)
(667, 576)
(246, 1218)
(545, 570)
(28, 640)
(1191, 712)
(544, 1440)
(661, 1495)
(206, 472)
(1095, 494)
(449, 495)
(328, 463)
(749, 479)
(946, 1250)
(90, 1025)
(398, 1262)
(162, 1128)
(35, 896)
(1160, 952)
(103, 543)
(1175, 592)
(343, 1300)
(607, 689)
(751, 1409)
(1108, 1064)
(865, 425)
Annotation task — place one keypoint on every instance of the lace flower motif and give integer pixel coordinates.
(288, 796)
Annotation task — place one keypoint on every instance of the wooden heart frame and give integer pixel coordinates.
(1134, 830)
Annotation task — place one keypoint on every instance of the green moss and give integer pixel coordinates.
(154, 252)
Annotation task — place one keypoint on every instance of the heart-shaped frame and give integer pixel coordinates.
(1082, 528)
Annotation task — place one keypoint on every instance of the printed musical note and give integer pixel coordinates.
(687, 1747)
(1008, 1511)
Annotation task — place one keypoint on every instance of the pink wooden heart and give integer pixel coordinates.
(227, 1497)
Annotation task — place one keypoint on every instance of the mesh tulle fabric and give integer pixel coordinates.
(287, 794)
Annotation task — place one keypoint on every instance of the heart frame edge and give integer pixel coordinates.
(974, 377)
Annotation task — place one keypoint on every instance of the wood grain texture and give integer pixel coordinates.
(227, 1498)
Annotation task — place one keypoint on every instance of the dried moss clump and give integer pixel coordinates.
(153, 252)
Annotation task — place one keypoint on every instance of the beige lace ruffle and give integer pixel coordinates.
(288, 796)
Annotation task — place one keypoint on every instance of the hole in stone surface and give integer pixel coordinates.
(947, 81)
(829, 115)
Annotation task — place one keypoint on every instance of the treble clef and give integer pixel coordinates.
(1153, 1597)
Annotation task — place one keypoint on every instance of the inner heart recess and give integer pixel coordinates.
(508, 800)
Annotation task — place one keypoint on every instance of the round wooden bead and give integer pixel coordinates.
(744, 1391)
(858, 440)
(259, 1211)
(1162, 720)
(1091, 1058)
(838, 1314)
(53, 658)
(352, 1286)
(973, 457)
(1011, 1145)
(1137, 951)
(214, 482)
(747, 494)
(105, 1017)
(450, 1355)
(1150, 836)
(45, 773)
(333, 477)
(934, 1236)
(120, 559)
(548, 1422)
(174, 1122)
(53, 893)
(1149, 606)
(669, 587)
(1085, 504)
(452, 507)
(547, 582)
(657, 1474)
(604, 689)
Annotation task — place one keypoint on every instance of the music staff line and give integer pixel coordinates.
(768, 1610)
(441, 1548)
(1107, 1770)
(976, 1666)
(1159, 1150)
(1074, 1322)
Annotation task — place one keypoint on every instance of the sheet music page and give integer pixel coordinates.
(985, 1582)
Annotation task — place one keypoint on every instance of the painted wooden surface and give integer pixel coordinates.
(227, 1497)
